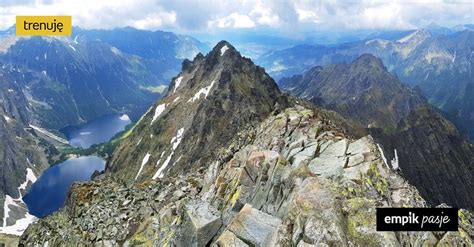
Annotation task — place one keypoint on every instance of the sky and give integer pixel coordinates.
(287, 17)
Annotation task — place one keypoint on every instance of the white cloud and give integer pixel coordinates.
(233, 20)
(307, 16)
(207, 15)
(264, 15)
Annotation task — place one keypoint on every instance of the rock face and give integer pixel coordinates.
(208, 103)
(428, 149)
(23, 155)
(363, 90)
(260, 197)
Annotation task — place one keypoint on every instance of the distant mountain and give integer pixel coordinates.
(68, 83)
(294, 60)
(363, 89)
(95, 72)
(436, 29)
(209, 102)
(166, 49)
(430, 152)
(440, 65)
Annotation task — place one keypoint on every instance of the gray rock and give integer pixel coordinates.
(228, 239)
(255, 227)
(202, 222)
(331, 160)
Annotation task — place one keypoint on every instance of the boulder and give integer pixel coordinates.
(202, 222)
(228, 239)
(255, 227)
(331, 159)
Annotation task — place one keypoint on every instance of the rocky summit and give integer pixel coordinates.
(224, 159)
(208, 103)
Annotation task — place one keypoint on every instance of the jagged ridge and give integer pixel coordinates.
(208, 103)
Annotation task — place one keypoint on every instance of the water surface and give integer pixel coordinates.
(49, 192)
(96, 131)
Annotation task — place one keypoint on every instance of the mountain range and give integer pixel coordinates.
(226, 159)
(49, 83)
(221, 155)
(439, 64)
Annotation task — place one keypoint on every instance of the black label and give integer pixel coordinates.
(417, 219)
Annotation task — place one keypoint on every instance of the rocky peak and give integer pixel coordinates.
(222, 47)
(368, 62)
(362, 89)
(207, 104)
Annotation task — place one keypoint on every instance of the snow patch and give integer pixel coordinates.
(139, 141)
(175, 141)
(7, 118)
(159, 173)
(115, 51)
(85, 133)
(44, 72)
(394, 162)
(30, 177)
(176, 83)
(174, 101)
(144, 161)
(159, 109)
(383, 156)
(125, 117)
(72, 47)
(204, 90)
(224, 49)
(49, 134)
(20, 225)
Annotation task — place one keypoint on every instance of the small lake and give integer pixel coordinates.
(96, 131)
(49, 192)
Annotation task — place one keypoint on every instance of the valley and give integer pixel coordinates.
(65, 103)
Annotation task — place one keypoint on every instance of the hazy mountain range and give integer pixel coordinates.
(220, 153)
(438, 63)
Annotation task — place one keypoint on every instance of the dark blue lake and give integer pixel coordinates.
(96, 131)
(49, 192)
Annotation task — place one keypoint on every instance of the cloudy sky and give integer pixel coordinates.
(286, 16)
